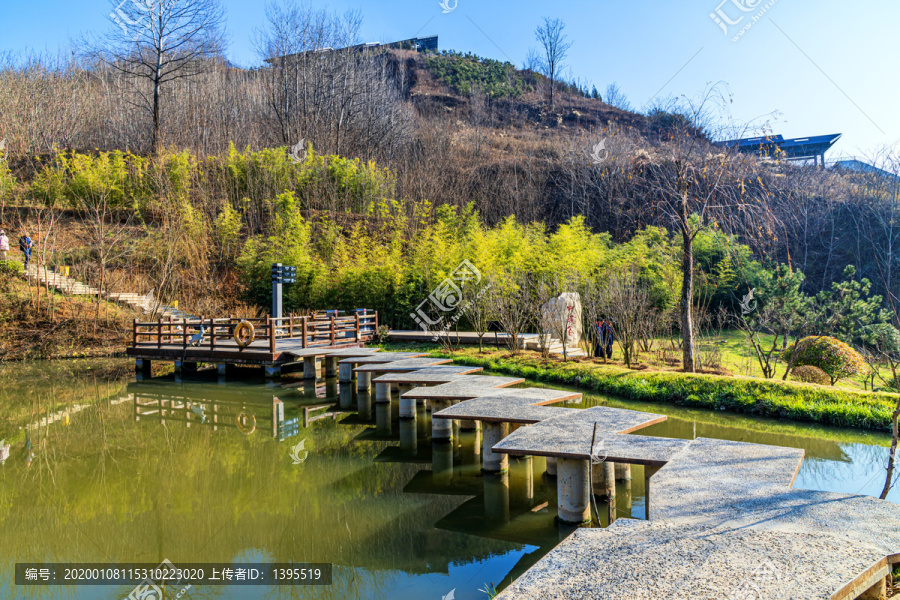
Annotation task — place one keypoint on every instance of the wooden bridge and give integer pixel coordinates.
(267, 342)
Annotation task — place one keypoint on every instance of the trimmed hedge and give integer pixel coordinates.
(829, 354)
(810, 374)
(762, 397)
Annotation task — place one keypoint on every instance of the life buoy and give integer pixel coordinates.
(244, 334)
(246, 423)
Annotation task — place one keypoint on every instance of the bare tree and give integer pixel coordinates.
(160, 41)
(690, 186)
(626, 300)
(555, 46)
(479, 312)
(614, 96)
(510, 301)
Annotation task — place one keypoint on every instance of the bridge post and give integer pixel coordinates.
(383, 392)
(142, 367)
(407, 408)
(441, 429)
(551, 466)
(312, 367)
(364, 381)
(493, 434)
(573, 485)
(331, 366)
(345, 372)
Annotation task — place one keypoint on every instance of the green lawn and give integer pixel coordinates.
(838, 406)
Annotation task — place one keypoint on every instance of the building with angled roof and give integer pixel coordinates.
(776, 147)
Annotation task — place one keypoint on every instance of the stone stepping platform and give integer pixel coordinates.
(615, 448)
(749, 485)
(705, 481)
(300, 352)
(569, 434)
(382, 357)
(401, 366)
(428, 376)
(640, 559)
(511, 406)
(498, 410)
(464, 388)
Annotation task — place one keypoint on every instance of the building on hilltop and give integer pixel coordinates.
(776, 147)
(854, 165)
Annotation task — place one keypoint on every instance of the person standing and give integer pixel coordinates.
(4, 245)
(607, 337)
(25, 245)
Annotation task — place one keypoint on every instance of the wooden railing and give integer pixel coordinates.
(305, 332)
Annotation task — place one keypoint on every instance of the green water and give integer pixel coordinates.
(97, 473)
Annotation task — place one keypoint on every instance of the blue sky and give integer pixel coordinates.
(825, 66)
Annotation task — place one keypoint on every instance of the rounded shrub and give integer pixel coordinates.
(834, 357)
(810, 374)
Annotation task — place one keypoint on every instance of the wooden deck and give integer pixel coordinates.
(276, 341)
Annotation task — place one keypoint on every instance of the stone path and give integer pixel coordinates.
(724, 519)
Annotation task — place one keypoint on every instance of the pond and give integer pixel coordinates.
(106, 469)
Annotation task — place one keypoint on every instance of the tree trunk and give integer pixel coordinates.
(157, 76)
(551, 91)
(894, 439)
(687, 302)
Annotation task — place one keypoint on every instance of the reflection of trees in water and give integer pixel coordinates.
(863, 472)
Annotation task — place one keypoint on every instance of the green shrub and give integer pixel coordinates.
(810, 374)
(833, 356)
(464, 72)
(11, 267)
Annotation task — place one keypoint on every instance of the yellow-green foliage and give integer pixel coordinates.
(347, 184)
(226, 232)
(111, 179)
(412, 247)
(7, 181)
(289, 244)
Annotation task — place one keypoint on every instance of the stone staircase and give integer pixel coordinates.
(145, 303)
(148, 304)
(60, 283)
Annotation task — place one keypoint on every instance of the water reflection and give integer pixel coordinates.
(196, 471)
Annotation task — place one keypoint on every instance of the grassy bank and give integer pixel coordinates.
(36, 324)
(746, 395)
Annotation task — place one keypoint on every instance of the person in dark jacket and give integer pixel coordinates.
(607, 337)
(25, 245)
